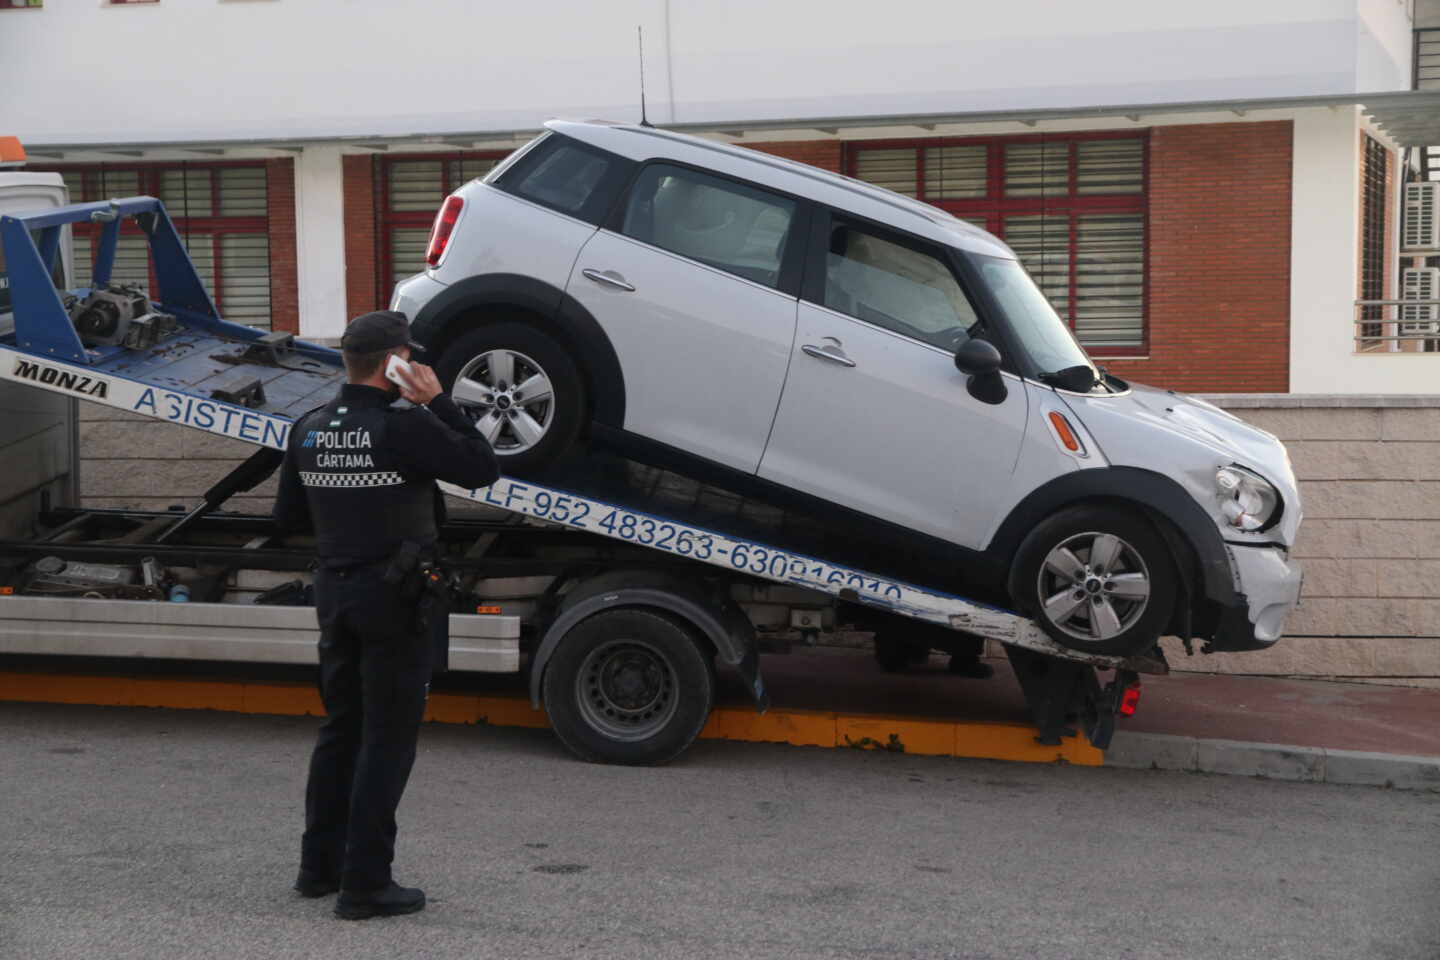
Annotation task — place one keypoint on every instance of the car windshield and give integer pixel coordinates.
(1050, 343)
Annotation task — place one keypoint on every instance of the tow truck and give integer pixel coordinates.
(544, 565)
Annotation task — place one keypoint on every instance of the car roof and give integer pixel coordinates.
(844, 193)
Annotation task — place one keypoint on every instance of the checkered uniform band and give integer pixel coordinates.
(381, 478)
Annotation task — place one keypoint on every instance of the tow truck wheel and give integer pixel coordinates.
(520, 387)
(1096, 578)
(629, 686)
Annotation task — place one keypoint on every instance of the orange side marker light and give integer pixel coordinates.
(1067, 436)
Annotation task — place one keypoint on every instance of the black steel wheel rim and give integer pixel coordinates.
(626, 690)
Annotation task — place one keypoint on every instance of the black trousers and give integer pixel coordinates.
(374, 677)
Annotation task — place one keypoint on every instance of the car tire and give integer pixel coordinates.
(497, 403)
(629, 686)
(1119, 606)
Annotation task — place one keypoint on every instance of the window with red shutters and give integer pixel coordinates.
(412, 187)
(1073, 207)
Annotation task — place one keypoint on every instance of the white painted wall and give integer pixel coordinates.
(1384, 45)
(186, 70)
(320, 241)
(1324, 256)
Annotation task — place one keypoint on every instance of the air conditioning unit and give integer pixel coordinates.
(1420, 232)
(1420, 283)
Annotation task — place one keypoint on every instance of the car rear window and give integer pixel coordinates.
(568, 176)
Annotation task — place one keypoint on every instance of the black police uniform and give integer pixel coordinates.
(363, 475)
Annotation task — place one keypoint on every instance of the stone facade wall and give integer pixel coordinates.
(130, 461)
(1369, 471)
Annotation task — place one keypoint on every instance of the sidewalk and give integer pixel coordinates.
(1292, 729)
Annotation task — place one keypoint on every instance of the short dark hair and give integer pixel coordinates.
(362, 366)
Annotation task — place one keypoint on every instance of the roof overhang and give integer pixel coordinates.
(1409, 118)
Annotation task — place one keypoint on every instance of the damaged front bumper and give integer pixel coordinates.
(1268, 583)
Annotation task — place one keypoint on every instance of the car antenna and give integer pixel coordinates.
(640, 33)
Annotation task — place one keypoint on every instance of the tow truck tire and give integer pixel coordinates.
(1118, 606)
(629, 686)
(529, 352)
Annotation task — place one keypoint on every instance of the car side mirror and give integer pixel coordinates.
(980, 362)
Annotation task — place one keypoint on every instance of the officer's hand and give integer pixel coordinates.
(421, 386)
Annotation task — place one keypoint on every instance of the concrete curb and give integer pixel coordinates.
(1158, 751)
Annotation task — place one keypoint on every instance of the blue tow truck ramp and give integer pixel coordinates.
(175, 360)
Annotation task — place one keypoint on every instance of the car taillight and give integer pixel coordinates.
(444, 225)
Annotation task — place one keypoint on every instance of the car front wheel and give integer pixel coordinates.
(1096, 578)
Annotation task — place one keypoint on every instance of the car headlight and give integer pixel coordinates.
(1247, 499)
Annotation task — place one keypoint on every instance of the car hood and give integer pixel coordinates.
(1188, 439)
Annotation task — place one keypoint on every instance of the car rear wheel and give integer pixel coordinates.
(522, 390)
(1097, 579)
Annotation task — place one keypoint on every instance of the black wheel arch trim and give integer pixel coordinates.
(721, 620)
(438, 323)
(1148, 489)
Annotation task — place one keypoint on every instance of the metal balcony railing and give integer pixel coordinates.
(1397, 326)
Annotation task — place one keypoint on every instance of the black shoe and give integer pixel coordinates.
(388, 901)
(972, 667)
(312, 884)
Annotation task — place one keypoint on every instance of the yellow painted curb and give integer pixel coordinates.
(806, 728)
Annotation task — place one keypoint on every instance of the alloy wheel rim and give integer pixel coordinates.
(509, 397)
(1093, 586)
(626, 690)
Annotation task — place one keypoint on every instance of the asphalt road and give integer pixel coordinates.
(155, 834)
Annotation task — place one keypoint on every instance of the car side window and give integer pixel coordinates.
(720, 223)
(898, 286)
(567, 176)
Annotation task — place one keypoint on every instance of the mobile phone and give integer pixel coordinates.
(394, 367)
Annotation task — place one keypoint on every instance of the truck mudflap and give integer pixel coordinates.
(1065, 697)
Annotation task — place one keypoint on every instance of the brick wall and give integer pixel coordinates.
(1219, 283)
(1219, 246)
(284, 283)
(825, 154)
(360, 198)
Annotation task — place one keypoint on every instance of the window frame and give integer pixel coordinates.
(994, 207)
(149, 179)
(797, 240)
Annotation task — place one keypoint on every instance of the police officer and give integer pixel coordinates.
(362, 475)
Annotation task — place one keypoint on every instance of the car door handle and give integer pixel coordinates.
(828, 352)
(610, 278)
